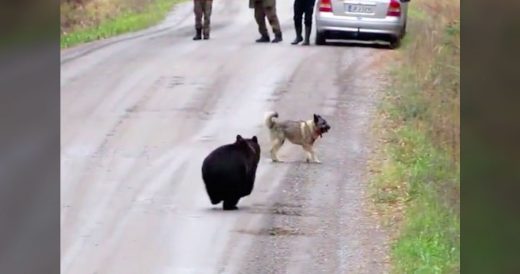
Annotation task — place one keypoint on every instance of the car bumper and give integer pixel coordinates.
(327, 22)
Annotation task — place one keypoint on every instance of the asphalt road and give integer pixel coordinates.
(141, 111)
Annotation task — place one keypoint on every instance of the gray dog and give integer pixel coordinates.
(303, 133)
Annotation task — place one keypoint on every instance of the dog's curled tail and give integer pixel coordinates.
(269, 119)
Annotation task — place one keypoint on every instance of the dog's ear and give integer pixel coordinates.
(239, 138)
(254, 139)
(316, 118)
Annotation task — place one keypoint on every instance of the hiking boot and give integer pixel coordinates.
(263, 39)
(297, 40)
(308, 29)
(277, 38)
(198, 33)
(299, 37)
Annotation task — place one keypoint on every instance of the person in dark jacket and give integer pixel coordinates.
(302, 7)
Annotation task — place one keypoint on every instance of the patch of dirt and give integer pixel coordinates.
(274, 231)
(286, 211)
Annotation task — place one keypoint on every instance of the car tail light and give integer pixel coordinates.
(325, 5)
(394, 9)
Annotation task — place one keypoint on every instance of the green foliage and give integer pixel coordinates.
(422, 170)
(125, 21)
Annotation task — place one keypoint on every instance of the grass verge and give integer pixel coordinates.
(102, 19)
(417, 188)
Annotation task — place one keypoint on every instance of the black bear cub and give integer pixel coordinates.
(229, 171)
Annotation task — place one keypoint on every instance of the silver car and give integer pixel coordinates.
(361, 19)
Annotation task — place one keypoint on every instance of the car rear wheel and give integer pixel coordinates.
(320, 38)
(395, 42)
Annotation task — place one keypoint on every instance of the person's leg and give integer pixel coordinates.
(207, 18)
(260, 20)
(309, 8)
(298, 13)
(270, 12)
(197, 9)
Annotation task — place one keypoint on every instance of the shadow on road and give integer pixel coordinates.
(359, 44)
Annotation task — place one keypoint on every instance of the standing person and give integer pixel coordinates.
(266, 8)
(202, 8)
(303, 7)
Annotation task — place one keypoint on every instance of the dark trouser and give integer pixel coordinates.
(202, 8)
(303, 7)
(261, 11)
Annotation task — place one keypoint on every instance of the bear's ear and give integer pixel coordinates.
(315, 118)
(254, 139)
(239, 138)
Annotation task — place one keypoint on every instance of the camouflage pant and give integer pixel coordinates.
(202, 8)
(262, 11)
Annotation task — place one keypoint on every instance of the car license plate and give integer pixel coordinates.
(358, 8)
